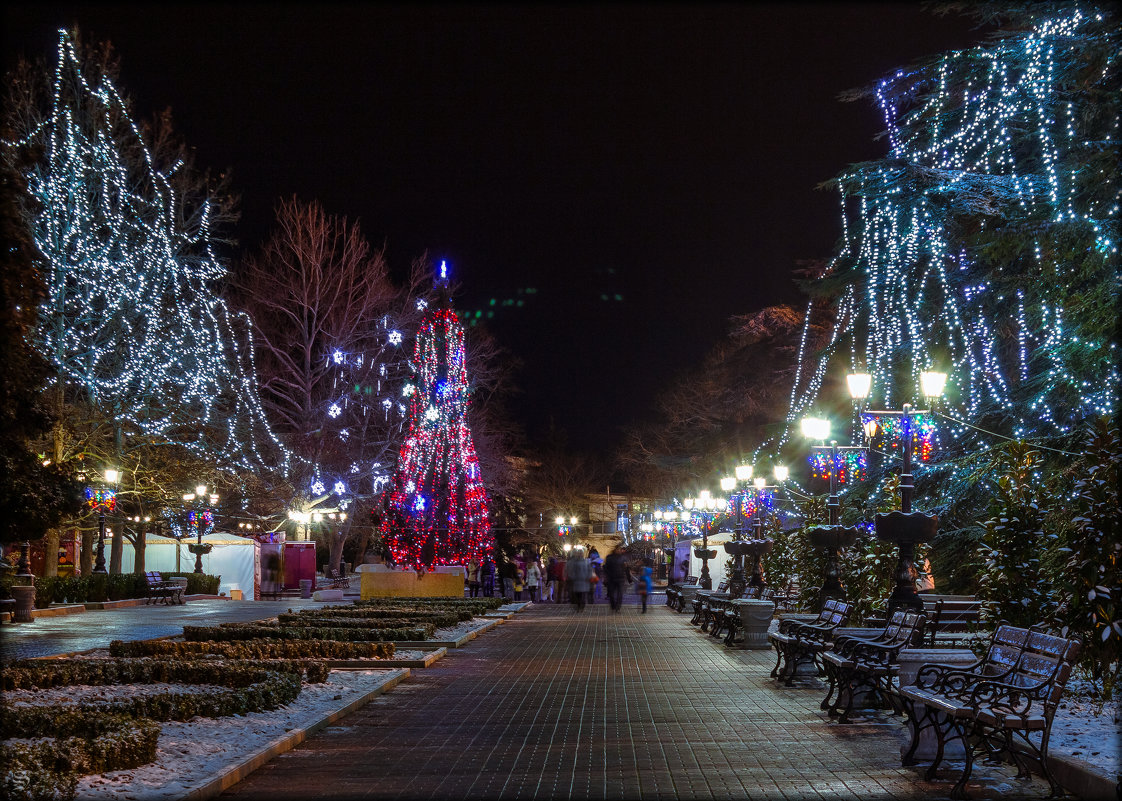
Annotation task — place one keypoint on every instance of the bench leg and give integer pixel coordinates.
(778, 659)
(832, 678)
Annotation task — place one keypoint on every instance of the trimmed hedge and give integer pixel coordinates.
(374, 614)
(248, 688)
(249, 631)
(438, 619)
(482, 604)
(256, 649)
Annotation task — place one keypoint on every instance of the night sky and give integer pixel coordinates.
(608, 183)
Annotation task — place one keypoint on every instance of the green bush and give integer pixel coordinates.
(65, 588)
(253, 632)
(80, 589)
(98, 587)
(255, 649)
(197, 583)
(45, 587)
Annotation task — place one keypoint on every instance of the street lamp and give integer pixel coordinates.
(104, 498)
(707, 507)
(905, 527)
(761, 544)
(739, 547)
(199, 516)
(564, 529)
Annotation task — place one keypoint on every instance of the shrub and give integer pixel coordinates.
(255, 649)
(252, 632)
(80, 589)
(45, 587)
(98, 587)
(197, 583)
(65, 588)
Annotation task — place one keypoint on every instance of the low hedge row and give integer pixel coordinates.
(256, 649)
(249, 631)
(48, 768)
(246, 688)
(374, 614)
(482, 604)
(437, 619)
(111, 587)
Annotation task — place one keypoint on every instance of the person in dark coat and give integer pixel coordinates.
(616, 575)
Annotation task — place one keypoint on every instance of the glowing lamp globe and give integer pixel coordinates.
(859, 385)
(932, 384)
(815, 428)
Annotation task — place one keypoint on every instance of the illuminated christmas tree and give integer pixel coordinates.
(437, 507)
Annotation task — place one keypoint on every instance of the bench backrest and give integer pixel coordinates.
(828, 608)
(1046, 659)
(724, 585)
(691, 579)
(904, 628)
(1005, 650)
(153, 575)
(954, 615)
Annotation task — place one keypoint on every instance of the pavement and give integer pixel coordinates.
(95, 628)
(555, 704)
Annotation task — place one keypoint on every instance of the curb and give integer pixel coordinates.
(359, 664)
(230, 776)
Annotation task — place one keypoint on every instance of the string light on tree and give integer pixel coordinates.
(438, 504)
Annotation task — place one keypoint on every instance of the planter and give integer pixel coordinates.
(906, 527)
(197, 549)
(738, 548)
(755, 617)
(833, 537)
(701, 553)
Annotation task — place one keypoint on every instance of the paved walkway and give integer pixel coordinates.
(555, 704)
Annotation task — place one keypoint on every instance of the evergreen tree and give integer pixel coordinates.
(437, 504)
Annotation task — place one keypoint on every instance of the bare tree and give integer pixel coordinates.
(332, 336)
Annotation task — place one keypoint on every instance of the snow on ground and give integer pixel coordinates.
(1082, 730)
(191, 753)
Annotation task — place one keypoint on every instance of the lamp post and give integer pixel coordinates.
(905, 527)
(104, 498)
(564, 529)
(739, 547)
(199, 516)
(706, 506)
(833, 537)
(761, 544)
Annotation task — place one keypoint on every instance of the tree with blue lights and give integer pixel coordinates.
(437, 504)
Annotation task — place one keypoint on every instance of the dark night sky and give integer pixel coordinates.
(664, 154)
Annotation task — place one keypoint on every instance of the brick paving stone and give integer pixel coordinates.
(559, 705)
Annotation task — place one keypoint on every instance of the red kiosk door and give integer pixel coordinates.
(299, 563)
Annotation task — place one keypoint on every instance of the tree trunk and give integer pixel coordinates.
(85, 564)
(116, 549)
(50, 556)
(139, 546)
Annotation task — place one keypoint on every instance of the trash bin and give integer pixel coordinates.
(305, 588)
(25, 602)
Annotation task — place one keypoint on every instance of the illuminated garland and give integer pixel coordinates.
(101, 499)
(132, 314)
(438, 504)
(888, 432)
(850, 466)
(1007, 130)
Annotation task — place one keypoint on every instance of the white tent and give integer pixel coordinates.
(233, 558)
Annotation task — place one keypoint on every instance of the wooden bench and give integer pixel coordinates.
(858, 665)
(950, 618)
(721, 610)
(701, 605)
(160, 589)
(674, 597)
(994, 704)
(797, 643)
(338, 581)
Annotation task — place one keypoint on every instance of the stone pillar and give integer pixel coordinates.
(755, 618)
(910, 661)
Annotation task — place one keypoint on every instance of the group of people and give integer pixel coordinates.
(579, 579)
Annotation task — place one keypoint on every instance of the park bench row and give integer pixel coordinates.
(995, 706)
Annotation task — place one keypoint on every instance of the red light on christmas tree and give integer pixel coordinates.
(437, 510)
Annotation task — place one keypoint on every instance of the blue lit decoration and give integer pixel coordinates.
(1007, 142)
(437, 503)
(887, 433)
(132, 314)
(850, 466)
(102, 498)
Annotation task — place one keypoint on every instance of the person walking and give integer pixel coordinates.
(577, 573)
(597, 590)
(547, 580)
(616, 575)
(473, 578)
(507, 573)
(533, 580)
(488, 577)
(646, 582)
(557, 578)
